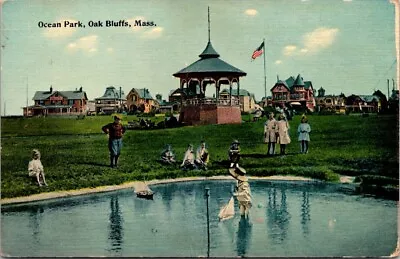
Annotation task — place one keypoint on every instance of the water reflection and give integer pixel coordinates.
(305, 214)
(115, 228)
(278, 217)
(35, 217)
(243, 236)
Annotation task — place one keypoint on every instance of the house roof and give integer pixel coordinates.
(70, 95)
(144, 93)
(369, 98)
(209, 63)
(111, 93)
(242, 92)
(291, 81)
(298, 81)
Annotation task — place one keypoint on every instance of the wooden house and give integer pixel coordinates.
(112, 101)
(140, 100)
(293, 92)
(57, 103)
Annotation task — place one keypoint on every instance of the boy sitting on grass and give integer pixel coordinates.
(35, 168)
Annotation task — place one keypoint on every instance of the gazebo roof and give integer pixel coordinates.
(209, 52)
(209, 63)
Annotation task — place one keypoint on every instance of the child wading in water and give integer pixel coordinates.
(304, 130)
(35, 168)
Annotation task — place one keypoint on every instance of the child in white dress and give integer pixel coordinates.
(35, 168)
(304, 130)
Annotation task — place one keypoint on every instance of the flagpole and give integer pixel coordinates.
(265, 76)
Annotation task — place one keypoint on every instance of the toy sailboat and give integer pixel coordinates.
(143, 191)
(227, 211)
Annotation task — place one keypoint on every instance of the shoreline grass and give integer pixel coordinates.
(75, 154)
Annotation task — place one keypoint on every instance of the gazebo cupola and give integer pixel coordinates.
(196, 108)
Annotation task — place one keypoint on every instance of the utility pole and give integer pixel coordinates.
(27, 93)
(120, 98)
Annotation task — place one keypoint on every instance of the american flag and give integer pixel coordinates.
(258, 52)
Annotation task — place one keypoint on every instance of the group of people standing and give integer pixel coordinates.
(277, 132)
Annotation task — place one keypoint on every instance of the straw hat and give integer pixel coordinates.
(236, 142)
(117, 116)
(238, 173)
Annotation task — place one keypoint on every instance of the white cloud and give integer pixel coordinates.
(304, 50)
(289, 50)
(251, 12)
(56, 32)
(319, 39)
(278, 62)
(132, 23)
(88, 43)
(149, 32)
(110, 50)
(153, 33)
(347, 0)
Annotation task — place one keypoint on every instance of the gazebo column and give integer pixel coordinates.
(238, 91)
(230, 92)
(217, 91)
(182, 92)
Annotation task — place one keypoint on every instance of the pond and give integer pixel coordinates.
(287, 219)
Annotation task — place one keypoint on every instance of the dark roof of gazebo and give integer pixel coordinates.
(209, 63)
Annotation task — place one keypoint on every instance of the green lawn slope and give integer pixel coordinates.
(75, 154)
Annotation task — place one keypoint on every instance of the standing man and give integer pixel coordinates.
(270, 134)
(115, 132)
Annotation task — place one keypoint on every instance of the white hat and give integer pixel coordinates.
(238, 173)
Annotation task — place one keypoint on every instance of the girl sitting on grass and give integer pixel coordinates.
(35, 168)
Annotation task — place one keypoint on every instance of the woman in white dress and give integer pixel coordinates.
(270, 134)
(304, 130)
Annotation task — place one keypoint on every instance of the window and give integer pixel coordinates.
(70, 102)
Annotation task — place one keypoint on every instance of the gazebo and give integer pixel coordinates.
(196, 108)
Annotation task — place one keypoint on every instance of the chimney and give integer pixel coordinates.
(80, 89)
(51, 89)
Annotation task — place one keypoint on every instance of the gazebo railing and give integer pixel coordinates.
(214, 101)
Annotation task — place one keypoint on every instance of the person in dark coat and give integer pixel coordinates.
(115, 131)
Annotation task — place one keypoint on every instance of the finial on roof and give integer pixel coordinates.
(209, 29)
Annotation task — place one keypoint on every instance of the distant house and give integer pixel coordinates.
(394, 100)
(165, 107)
(111, 101)
(91, 107)
(266, 101)
(332, 103)
(293, 92)
(57, 103)
(363, 103)
(140, 100)
(383, 99)
(247, 100)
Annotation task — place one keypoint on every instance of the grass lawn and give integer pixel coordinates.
(75, 154)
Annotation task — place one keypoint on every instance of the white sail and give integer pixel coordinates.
(141, 187)
(227, 211)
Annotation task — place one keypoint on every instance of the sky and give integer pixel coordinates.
(344, 46)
